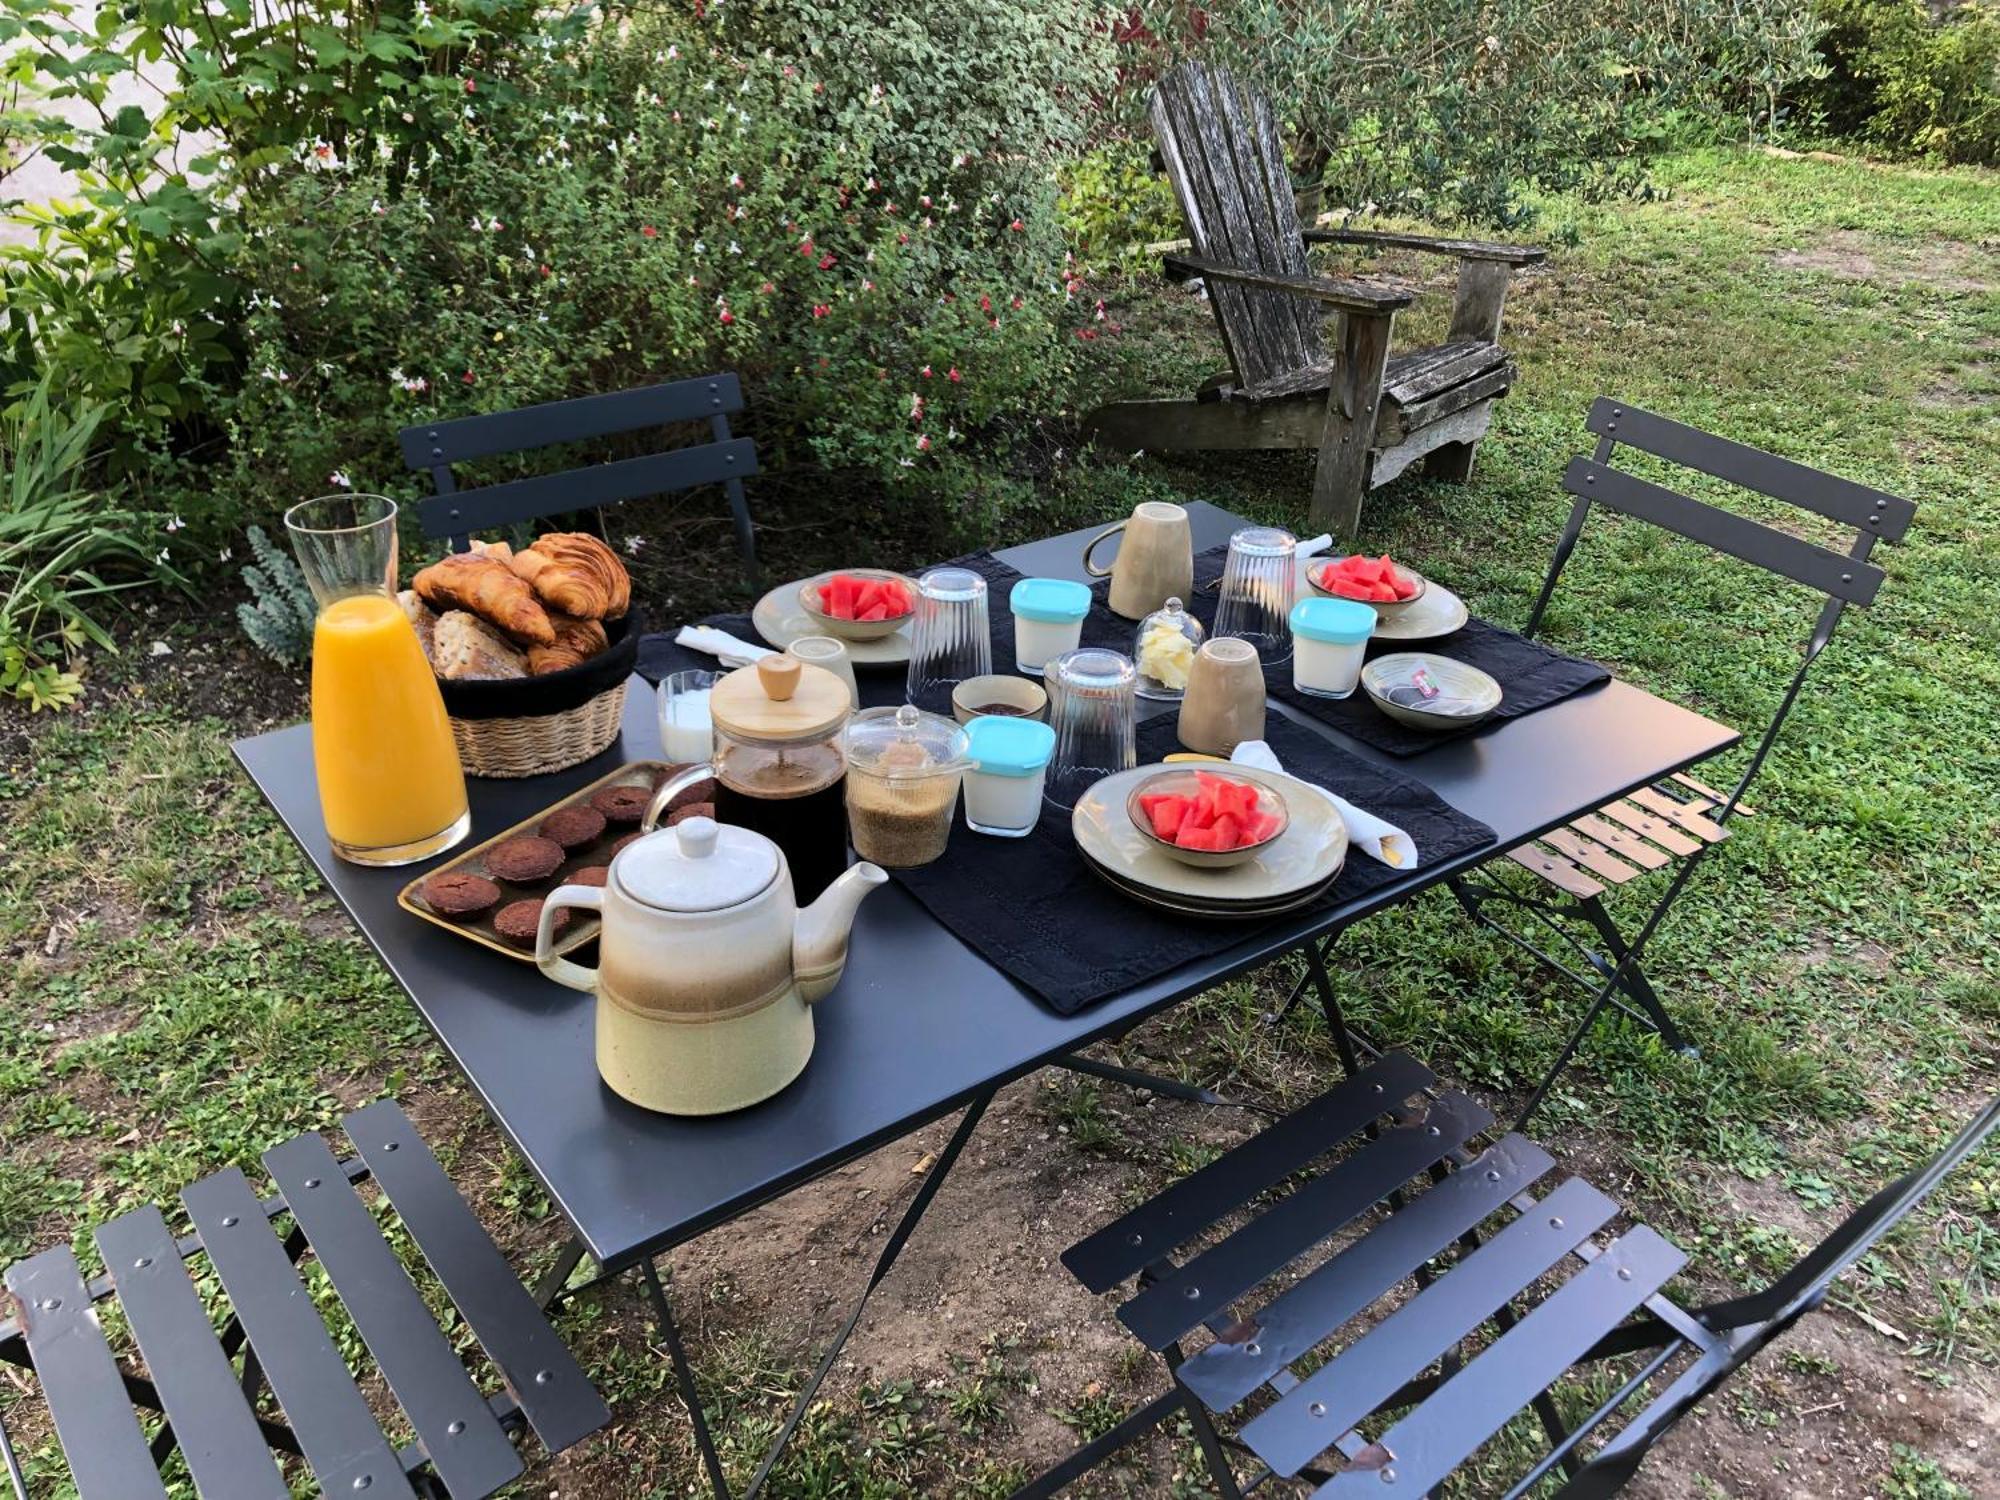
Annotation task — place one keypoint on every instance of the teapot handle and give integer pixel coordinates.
(670, 789)
(561, 970)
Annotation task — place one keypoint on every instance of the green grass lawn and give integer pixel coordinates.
(181, 996)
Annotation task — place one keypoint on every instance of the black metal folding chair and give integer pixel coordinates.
(1363, 1391)
(463, 1442)
(726, 460)
(1678, 820)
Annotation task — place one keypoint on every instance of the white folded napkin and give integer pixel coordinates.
(721, 644)
(1368, 833)
(1315, 546)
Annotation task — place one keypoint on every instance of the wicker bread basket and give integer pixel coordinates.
(529, 726)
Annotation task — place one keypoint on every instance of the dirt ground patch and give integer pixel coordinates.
(1942, 266)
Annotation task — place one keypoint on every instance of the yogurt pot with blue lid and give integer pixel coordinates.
(1009, 762)
(1330, 638)
(1048, 620)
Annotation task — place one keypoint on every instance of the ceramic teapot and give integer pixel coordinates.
(707, 970)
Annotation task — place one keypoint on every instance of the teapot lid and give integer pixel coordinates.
(697, 865)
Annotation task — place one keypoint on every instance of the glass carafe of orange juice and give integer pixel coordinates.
(390, 787)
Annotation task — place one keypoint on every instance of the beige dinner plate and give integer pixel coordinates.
(781, 619)
(1309, 853)
(1215, 912)
(1436, 611)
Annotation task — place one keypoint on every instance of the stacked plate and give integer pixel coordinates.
(1436, 612)
(1293, 872)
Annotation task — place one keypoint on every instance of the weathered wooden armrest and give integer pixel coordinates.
(1513, 255)
(1354, 296)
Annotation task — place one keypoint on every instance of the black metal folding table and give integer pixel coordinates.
(920, 1026)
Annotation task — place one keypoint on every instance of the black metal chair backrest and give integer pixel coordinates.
(1842, 578)
(1750, 1323)
(726, 460)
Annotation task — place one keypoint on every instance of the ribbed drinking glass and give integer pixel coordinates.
(1093, 710)
(1258, 581)
(951, 638)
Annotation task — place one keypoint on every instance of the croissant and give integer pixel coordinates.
(576, 642)
(489, 589)
(574, 572)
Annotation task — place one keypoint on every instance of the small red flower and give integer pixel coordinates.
(806, 247)
(1017, 226)
(925, 372)
(924, 443)
(649, 231)
(547, 273)
(728, 317)
(1015, 304)
(767, 288)
(902, 239)
(467, 378)
(953, 376)
(985, 303)
(821, 309)
(471, 87)
(827, 262)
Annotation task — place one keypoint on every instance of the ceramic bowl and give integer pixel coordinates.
(855, 630)
(1383, 607)
(977, 695)
(1465, 695)
(1182, 784)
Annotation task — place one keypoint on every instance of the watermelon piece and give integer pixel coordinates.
(1199, 813)
(1199, 838)
(867, 595)
(836, 596)
(895, 598)
(1167, 814)
(871, 614)
(1228, 831)
(1260, 827)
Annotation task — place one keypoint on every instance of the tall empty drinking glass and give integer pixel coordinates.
(950, 638)
(1093, 710)
(1258, 582)
(390, 787)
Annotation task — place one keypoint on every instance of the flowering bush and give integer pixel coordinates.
(863, 226)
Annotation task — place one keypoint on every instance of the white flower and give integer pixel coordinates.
(162, 560)
(699, 247)
(160, 648)
(634, 543)
(225, 554)
(340, 479)
(736, 179)
(175, 523)
(673, 53)
(734, 248)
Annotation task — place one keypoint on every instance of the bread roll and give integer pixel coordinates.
(489, 589)
(468, 649)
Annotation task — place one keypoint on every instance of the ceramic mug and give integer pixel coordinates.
(1224, 702)
(1155, 560)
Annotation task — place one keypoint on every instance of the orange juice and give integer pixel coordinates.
(390, 786)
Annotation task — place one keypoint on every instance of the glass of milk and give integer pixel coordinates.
(687, 734)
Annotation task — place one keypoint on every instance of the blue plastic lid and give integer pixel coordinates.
(1002, 745)
(1055, 601)
(1339, 622)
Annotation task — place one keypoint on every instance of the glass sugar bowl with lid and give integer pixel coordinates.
(1164, 651)
(904, 767)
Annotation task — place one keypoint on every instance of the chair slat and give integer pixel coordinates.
(311, 1381)
(1178, 151)
(100, 1435)
(1456, 364)
(1219, 1275)
(1189, 1206)
(214, 1426)
(1253, 1350)
(1252, 135)
(579, 489)
(1556, 870)
(1367, 1372)
(1887, 516)
(544, 1377)
(1743, 809)
(431, 445)
(453, 1423)
(1446, 1429)
(1681, 815)
(1640, 821)
(1832, 573)
(1593, 856)
(1622, 841)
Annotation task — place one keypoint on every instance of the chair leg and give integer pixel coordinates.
(1632, 976)
(746, 542)
(1451, 464)
(1353, 404)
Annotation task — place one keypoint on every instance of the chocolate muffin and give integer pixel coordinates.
(518, 921)
(459, 896)
(572, 826)
(621, 805)
(629, 838)
(524, 861)
(701, 791)
(691, 810)
(589, 875)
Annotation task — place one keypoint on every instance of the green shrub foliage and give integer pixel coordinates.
(1912, 85)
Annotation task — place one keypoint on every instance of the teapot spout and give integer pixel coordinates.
(819, 940)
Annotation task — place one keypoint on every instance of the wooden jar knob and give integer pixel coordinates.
(779, 675)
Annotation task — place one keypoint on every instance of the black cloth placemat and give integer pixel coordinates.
(1032, 908)
(1531, 675)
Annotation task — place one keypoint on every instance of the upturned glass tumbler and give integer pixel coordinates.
(1258, 581)
(1093, 709)
(951, 638)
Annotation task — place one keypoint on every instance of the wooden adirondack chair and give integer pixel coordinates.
(1370, 414)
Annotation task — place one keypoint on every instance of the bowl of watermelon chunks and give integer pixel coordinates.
(859, 604)
(1385, 585)
(1208, 819)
